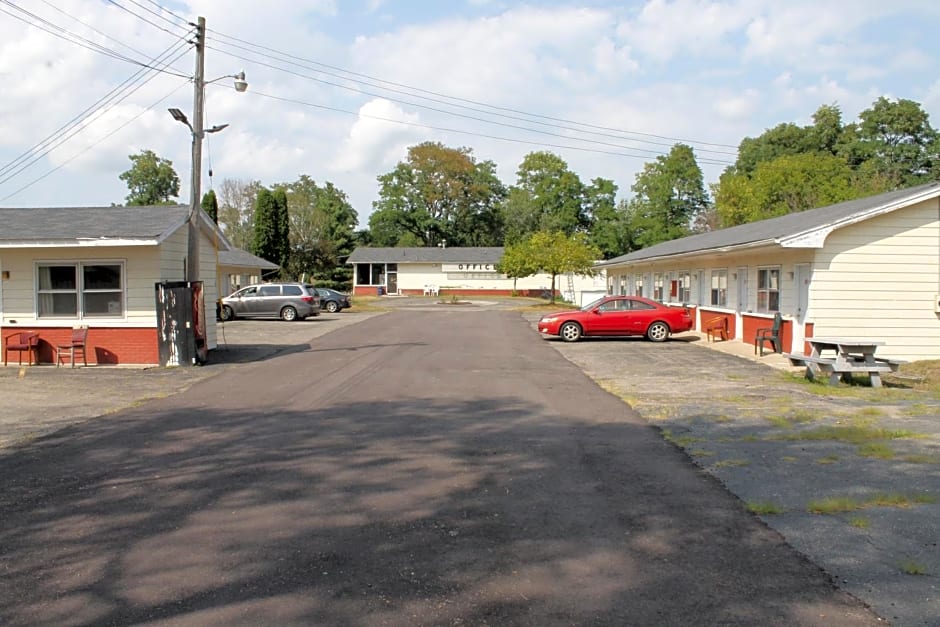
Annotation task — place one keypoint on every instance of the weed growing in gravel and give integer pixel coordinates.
(726, 463)
(853, 434)
(682, 441)
(828, 459)
(701, 453)
(910, 567)
(764, 508)
(921, 459)
(871, 412)
(844, 504)
(916, 409)
(859, 522)
(877, 450)
(749, 438)
(790, 459)
(781, 422)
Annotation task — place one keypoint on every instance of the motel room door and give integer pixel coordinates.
(391, 278)
(803, 275)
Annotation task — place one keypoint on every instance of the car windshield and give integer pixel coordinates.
(591, 305)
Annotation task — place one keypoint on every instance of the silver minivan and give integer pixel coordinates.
(287, 301)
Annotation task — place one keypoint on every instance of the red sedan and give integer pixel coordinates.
(618, 315)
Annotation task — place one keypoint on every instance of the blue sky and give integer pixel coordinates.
(652, 73)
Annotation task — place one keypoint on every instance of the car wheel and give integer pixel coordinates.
(288, 314)
(332, 307)
(570, 332)
(657, 332)
(227, 313)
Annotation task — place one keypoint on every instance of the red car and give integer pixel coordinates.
(618, 315)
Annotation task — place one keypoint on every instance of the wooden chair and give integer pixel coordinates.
(22, 341)
(73, 346)
(769, 334)
(717, 327)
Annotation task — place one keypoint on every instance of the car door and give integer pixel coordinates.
(609, 318)
(639, 317)
(268, 302)
(240, 301)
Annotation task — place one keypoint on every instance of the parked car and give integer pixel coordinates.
(331, 300)
(287, 301)
(618, 315)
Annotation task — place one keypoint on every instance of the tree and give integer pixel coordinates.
(608, 224)
(517, 262)
(282, 227)
(210, 205)
(547, 197)
(151, 180)
(237, 211)
(557, 253)
(322, 232)
(265, 242)
(670, 195)
(437, 194)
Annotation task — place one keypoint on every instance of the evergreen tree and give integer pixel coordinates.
(210, 205)
(282, 227)
(265, 242)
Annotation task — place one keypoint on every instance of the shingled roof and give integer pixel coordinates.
(806, 229)
(238, 258)
(427, 255)
(68, 225)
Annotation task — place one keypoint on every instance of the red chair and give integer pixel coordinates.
(22, 341)
(75, 345)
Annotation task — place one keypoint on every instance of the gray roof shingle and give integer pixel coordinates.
(62, 224)
(774, 230)
(243, 259)
(427, 255)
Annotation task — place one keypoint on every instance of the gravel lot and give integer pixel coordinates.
(740, 421)
(753, 427)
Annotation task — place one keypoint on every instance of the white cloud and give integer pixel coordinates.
(373, 143)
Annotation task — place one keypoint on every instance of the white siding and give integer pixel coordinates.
(140, 273)
(878, 279)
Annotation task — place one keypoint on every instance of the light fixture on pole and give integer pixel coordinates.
(198, 132)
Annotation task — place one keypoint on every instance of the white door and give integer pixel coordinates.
(802, 277)
(741, 288)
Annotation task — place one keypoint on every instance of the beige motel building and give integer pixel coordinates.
(867, 268)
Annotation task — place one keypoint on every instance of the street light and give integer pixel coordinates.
(198, 132)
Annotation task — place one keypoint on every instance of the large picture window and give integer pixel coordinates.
(768, 290)
(719, 288)
(80, 290)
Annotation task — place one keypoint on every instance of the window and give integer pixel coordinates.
(638, 285)
(658, 287)
(372, 273)
(720, 288)
(269, 290)
(685, 287)
(768, 289)
(86, 290)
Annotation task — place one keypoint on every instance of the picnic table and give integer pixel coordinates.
(839, 358)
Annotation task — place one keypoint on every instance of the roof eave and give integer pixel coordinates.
(704, 252)
(98, 242)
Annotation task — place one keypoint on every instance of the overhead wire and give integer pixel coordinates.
(144, 19)
(255, 92)
(346, 74)
(83, 120)
(446, 112)
(92, 145)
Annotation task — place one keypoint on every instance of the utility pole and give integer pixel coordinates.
(199, 94)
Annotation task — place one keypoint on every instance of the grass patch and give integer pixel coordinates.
(859, 522)
(921, 459)
(910, 567)
(827, 460)
(682, 441)
(853, 434)
(764, 508)
(845, 504)
(701, 453)
(917, 409)
(732, 463)
(790, 458)
(870, 412)
(749, 438)
(878, 450)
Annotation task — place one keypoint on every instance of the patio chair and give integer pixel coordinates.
(75, 345)
(22, 341)
(717, 327)
(769, 334)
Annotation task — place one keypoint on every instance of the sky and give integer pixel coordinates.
(339, 89)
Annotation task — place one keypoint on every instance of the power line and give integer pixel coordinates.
(462, 132)
(166, 10)
(89, 147)
(607, 130)
(144, 19)
(444, 111)
(75, 126)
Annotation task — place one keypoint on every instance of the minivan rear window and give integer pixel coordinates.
(292, 290)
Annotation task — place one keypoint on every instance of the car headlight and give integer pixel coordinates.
(548, 319)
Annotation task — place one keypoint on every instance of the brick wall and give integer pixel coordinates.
(106, 346)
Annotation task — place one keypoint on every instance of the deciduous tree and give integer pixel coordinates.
(151, 180)
(557, 253)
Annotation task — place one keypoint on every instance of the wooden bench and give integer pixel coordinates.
(836, 369)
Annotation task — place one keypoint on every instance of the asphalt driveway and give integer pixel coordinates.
(432, 467)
